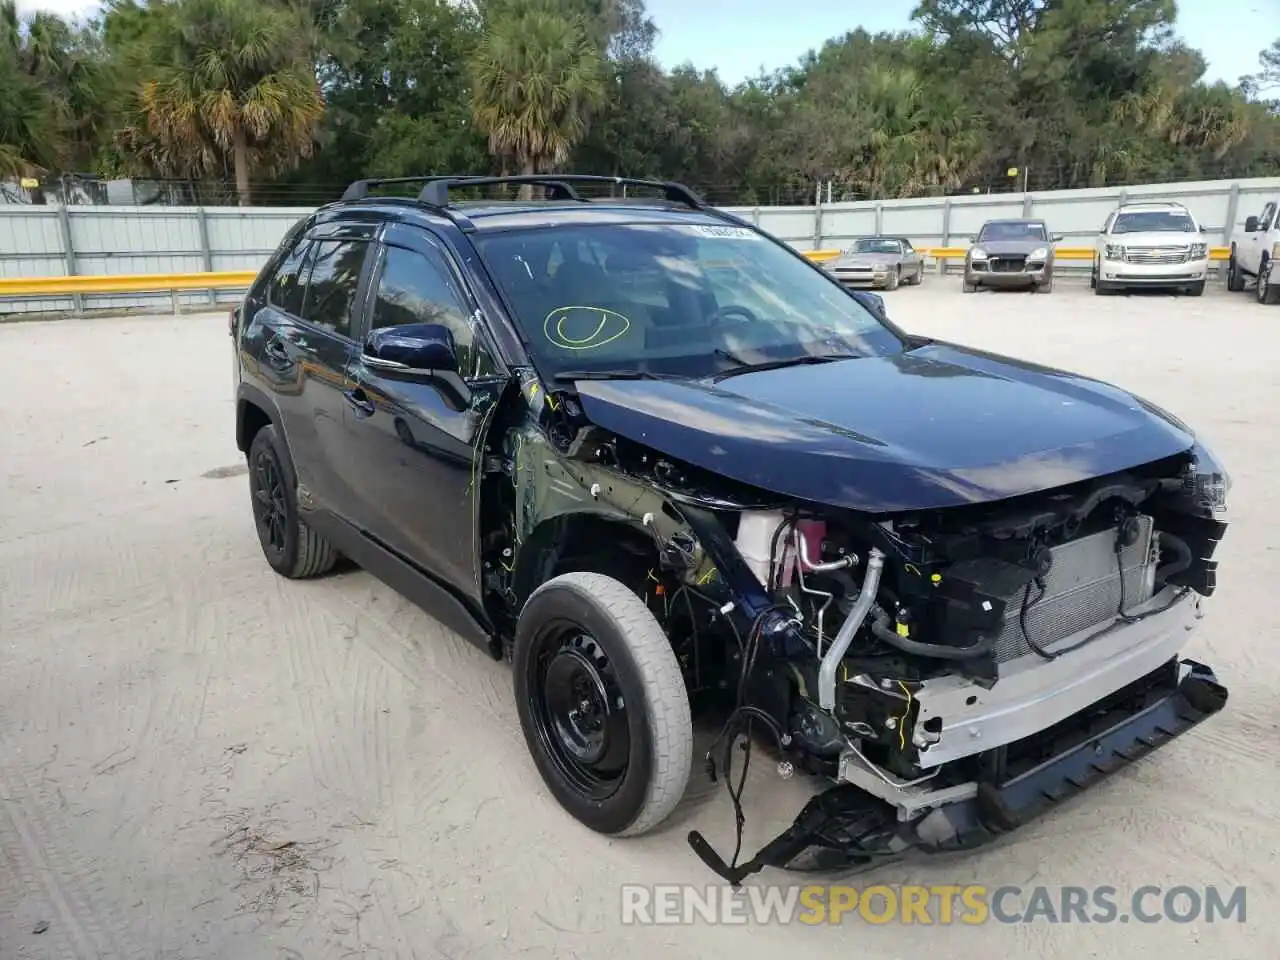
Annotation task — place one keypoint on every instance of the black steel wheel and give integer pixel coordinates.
(579, 711)
(602, 703)
(291, 547)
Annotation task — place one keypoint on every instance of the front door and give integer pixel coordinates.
(416, 451)
(1255, 242)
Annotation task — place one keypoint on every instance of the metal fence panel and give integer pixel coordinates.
(88, 240)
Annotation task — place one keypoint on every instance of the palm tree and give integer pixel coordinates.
(232, 85)
(536, 79)
(52, 110)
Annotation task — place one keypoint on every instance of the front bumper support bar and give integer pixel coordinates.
(845, 827)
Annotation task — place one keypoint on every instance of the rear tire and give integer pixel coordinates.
(291, 547)
(602, 703)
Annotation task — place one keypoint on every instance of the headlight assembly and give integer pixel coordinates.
(977, 253)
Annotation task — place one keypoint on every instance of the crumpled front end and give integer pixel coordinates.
(955, 672)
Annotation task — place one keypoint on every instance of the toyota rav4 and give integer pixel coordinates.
(673, 471)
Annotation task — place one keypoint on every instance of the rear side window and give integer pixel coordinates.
(335, 275)
(287, 286)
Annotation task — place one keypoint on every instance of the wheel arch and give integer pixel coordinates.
(583, 542)
(253, 412)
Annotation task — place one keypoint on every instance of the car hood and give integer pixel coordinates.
(996, 248)
(867, 259)
(938, 426)
(1163, 238)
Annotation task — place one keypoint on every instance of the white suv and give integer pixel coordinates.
(1256, 253)
(1150, 245)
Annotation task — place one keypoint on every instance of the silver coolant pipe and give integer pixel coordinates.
(840, 645)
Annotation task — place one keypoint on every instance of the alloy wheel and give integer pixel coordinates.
(270, 510)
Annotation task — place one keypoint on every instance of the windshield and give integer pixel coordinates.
(1153, 221)
(875, 246)
(1012, 231)
(686, 300)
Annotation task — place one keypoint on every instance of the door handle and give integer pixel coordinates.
(360, 401)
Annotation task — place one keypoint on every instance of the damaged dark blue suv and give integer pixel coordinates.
(676, 473)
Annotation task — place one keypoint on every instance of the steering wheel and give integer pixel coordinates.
(739, 314)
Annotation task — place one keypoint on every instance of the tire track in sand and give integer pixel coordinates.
(70, 887)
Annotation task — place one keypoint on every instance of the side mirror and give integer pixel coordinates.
(419, 351)
(1056, 238)
(1251, 225)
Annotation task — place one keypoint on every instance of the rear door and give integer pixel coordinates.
(303, 339)
(911, 265)
(415, 456)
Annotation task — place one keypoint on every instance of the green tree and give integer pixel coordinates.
(55, 94)
(227, 85)
(537, 78)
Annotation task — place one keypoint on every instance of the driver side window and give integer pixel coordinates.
(417, 288)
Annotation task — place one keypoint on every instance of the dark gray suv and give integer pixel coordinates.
(1011, 253)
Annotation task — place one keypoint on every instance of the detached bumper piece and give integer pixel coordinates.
(844, 827)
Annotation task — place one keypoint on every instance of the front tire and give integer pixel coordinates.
(602, 703)
(1196, 289)
(1268, 290)
(894, 280)
(291, 547)
(1235, 279)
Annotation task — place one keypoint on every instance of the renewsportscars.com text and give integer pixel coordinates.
(942, 904)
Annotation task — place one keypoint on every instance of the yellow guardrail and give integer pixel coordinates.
(957, 253)
(17, 287)
(124, 283)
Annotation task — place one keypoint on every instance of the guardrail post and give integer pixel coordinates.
(1233, 210)
(755, 216)
(206, 253)
(1027, 204)
(68, 248)
(817, 218)
(939, 263)
(879, 218)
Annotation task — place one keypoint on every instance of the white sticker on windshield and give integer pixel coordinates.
(724, 233)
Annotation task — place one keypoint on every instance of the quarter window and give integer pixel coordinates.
(418, 288)
(335, 275)
(289, 283)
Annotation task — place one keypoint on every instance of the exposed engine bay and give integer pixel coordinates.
(923, 661)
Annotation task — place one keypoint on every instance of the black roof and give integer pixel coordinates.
(563, 204)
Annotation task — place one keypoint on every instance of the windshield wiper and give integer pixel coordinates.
(565, 376)
(779, 364)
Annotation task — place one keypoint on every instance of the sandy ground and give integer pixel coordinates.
(199, 759)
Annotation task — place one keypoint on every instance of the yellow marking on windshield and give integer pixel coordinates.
(598, 337)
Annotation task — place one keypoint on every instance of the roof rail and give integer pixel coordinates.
(359, 189)
(436, 190)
